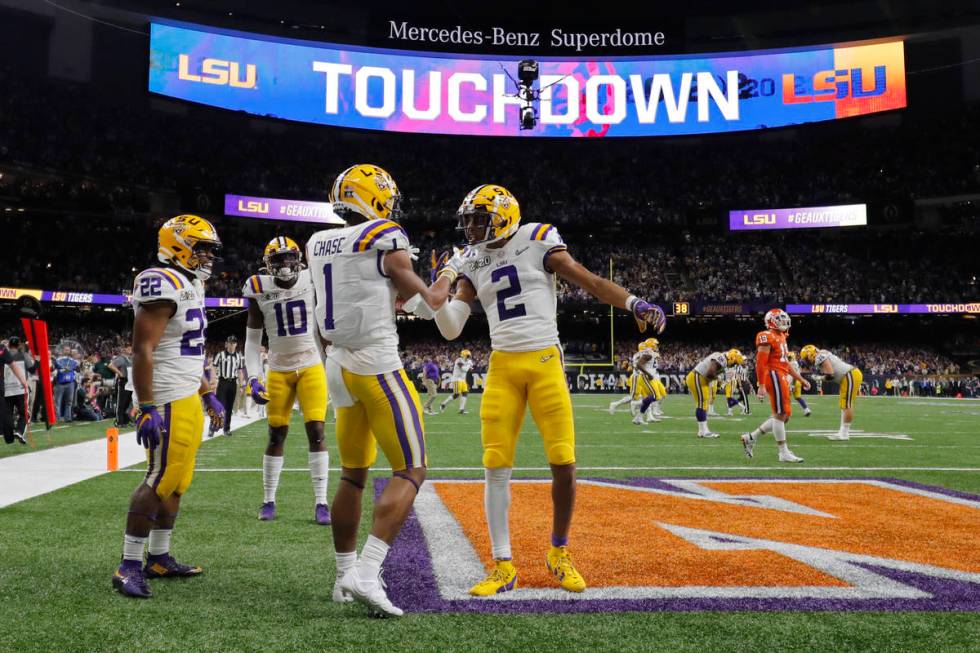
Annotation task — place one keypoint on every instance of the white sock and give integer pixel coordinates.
(159, 541)
(635, 408)
(845, 427)
(446, 401)
(271, 469)
(656, 406)
(496, 503)
(779, 432)
(765, 427)
(372, 557)
(344, 562)
(133, 547)
(620, 402)
(462, 402)
(703, 427)
(319, 466)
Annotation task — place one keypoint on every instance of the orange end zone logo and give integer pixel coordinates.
(701, 544)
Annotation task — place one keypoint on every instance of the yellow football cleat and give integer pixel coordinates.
(560, 564)
(503, 578)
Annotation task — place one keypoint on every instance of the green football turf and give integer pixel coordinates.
(57, 436)
(267, 585)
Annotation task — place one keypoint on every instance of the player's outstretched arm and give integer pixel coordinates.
(566, 267)
(452, 316)
(398, 267)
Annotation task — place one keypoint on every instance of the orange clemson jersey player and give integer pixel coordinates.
(772, 369)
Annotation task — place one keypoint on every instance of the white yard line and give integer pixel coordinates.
(28, 475)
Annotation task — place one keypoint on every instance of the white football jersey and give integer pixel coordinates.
(516, 289)
(839, 367)
(704, 366)
(645, 367)
(287, 314)
(355, 300)
(460, 368)
(178, 360)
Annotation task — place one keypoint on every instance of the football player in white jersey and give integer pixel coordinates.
(796, 387)
(461, 367)
(846, 375)
(358, 271)
(511, 269)
(168, 364)
(641, 383)
(699, 381)
(281, 303)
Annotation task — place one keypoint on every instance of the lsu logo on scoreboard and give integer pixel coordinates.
(253, 206)
(218, 72)
(829, 85)
(753, 219)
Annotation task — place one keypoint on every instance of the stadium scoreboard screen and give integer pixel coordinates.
(808, 217)
(440, 93)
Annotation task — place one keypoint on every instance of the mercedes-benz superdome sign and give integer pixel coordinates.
(427, 92)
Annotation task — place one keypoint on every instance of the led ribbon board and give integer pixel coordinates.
(808, 217)
(271, 208)
(425, 92)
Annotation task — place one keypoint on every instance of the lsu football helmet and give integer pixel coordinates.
(283, 258)
(190, 243)
(778, 320)
(488, 213)
(735, 357)
(808, 354)
(643, 346)
(653, 344)
(791, 356)
(465, 353)
(367, 190)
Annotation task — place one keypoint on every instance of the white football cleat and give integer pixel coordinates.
(789, 457)
(612, 407)
(370, 592)
(807, 412)
(339, 596)
(748, 443)
(638, 420)
(709, 435)
(838, 437)
(652, 418)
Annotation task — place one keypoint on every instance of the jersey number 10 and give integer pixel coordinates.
(290, 324)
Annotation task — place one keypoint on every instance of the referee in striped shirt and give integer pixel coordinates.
(230, 366)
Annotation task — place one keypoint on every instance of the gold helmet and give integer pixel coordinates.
(808, 354)
(189, 242)
(653, 344)
(734, 357)
(488, 213)
(367, 190)
(791, 355)
(283, 258)
(643, 346)
(465, 353)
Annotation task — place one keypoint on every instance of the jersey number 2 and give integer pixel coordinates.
(188, 346)
(512, 289)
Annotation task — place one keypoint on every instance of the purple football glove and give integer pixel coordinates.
(149, 426)
(214, 409)
(646, 313)
(257, 390)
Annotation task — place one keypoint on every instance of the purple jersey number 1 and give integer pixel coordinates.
(187, 345)
(328, 297)
(512, 289)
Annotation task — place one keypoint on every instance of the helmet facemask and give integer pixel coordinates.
(284, 266)
(477, 225)
(203, 257)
